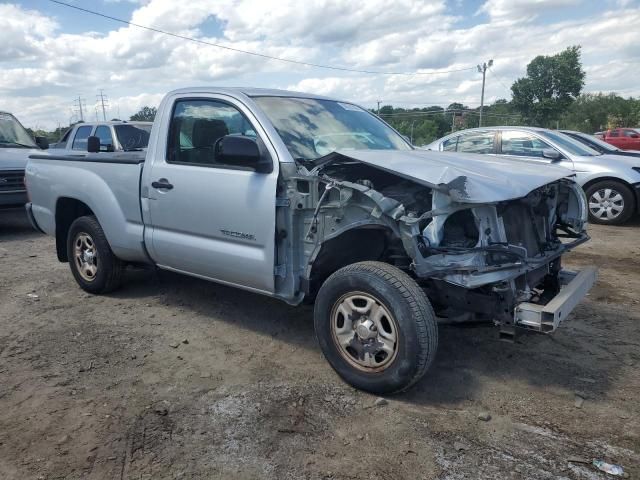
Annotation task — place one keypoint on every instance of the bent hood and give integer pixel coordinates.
(15, 158)
(465, 177)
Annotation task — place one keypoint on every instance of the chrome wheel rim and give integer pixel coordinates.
(364, 331)
(85, 256)
(606, 204)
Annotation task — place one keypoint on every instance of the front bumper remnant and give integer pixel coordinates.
(546, 318)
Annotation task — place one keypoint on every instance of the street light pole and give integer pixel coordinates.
(483, 70)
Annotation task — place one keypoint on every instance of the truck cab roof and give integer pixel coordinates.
(249, 92)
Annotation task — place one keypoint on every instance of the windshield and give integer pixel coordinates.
(594, 140)
(12, 134)
(312, 128)
(133, 136)
(570, 145)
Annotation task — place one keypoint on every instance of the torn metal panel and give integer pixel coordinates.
(464, 177)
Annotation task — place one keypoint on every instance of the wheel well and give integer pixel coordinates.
(355, 245)
(67, 210)
(605, 179)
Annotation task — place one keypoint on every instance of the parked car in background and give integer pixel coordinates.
(611, 182)
(115, 136)
(623, 138)
(600, 145)
(15, 147)
(298, 196)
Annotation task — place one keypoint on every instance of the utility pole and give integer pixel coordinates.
(378, 107)
(483, 70)
(102, 99)
(80, 102)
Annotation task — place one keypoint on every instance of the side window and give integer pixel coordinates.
(476, 142)
(65, 137)
(629, 133)
(80, 140)
(106, 140)
(450, 145)
(522, 144)
(614, 133)
(196, 126)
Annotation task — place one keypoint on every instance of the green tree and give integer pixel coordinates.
(146, 114)
(597, 111)
(550, 87)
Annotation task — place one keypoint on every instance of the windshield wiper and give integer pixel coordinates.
(4, 143)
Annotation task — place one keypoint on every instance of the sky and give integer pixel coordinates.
(53, 54)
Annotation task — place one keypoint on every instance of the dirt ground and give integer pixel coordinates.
(173, 377)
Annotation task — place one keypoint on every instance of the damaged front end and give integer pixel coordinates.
(486, 260)
(482, 247)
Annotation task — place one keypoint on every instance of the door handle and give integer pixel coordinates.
(162, 184)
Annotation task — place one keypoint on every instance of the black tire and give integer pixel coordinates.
(629, 206)
(109, 268)
(417, 330)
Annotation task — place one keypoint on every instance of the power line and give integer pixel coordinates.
(426, 103)
(441, 112)
(256, 54)
(418, 114)
(499, 80)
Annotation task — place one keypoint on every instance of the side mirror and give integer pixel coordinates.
(551, 154)
(42, 142)
(93, 144)
(242, 151)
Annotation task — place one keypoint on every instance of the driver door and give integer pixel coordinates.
(206, 218)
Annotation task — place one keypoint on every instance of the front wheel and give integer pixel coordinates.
(610, 202)
(376, 327)
(93, 264)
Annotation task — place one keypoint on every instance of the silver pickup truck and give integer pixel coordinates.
(302, 197)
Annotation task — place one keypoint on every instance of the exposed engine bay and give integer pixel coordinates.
(470, 256)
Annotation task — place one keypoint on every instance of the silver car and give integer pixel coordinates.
(611, 182)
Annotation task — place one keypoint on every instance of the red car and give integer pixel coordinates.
(623, 138)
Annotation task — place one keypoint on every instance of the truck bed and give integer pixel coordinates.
(107, 183)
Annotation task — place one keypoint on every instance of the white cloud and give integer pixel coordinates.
(42, 67)
(22, 32)
(522, 10)
(330, 22)
(360, 88)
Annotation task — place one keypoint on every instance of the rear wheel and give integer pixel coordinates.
(93, 264)
(610, 202)
(376, 327)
